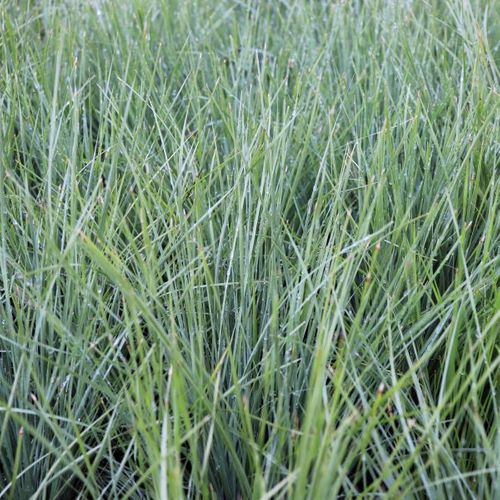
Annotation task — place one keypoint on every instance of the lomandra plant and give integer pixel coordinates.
(249, 249)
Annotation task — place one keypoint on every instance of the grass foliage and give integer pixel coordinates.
(249, 249)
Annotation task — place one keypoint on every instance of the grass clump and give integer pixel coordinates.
(249, 249)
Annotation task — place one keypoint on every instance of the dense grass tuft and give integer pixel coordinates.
(249, 249)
